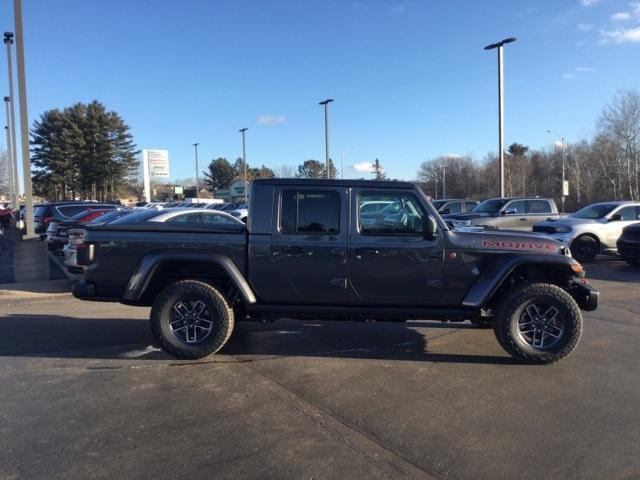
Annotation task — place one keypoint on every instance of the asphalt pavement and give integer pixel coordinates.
(85, 394)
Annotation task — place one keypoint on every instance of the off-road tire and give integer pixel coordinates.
(510, 311)
(191, 290)
(585, 248)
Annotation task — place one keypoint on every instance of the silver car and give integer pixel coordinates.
(593, 229)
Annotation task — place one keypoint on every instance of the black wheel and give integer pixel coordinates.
(191, 319)
(538, 323)
(585, 248)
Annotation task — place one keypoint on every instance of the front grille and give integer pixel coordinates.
(544, 229)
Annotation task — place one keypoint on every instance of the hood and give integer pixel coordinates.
(466, 216)
(565, 222)
(505, 241)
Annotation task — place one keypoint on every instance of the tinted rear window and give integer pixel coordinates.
(310, 212)
(539, 206)
(42, 211)
(137, 217)
(69, 210)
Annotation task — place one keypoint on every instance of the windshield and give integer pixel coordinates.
(594, 212)
(489, 206)
(107, 217)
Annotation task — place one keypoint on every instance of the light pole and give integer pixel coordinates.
(11, 117)
(444, 179)
(195, 145)
(499, 45)
(13, 184)
(24, 119)
(563, 162)
(244, 162)
(326, 103)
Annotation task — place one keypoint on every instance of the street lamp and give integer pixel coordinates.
(325, 103)
(499, 45)
(244, 161)
(197, 177)
(563, 162)
(24, 119)
(11, 167)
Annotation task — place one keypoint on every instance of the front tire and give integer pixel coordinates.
(538, 323)
(191, 319)
(585, 248)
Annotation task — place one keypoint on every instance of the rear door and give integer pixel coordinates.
(390, 261)
(309, 244)
(539, 210)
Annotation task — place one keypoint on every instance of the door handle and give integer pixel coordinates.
(366, 251)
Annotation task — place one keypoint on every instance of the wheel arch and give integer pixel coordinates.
(504, 271)
(157, 268)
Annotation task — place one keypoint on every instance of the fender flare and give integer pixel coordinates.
(494, 274)
(147, 267)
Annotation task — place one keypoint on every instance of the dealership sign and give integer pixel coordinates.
(156, 162)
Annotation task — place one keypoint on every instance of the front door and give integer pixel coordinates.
(309, 246)
(628, 215)
(390, 261)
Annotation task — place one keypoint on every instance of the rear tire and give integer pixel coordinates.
(191, 319)
(538, 323)
(585, 248)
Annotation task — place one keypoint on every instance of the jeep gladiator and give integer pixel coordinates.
(307, 252)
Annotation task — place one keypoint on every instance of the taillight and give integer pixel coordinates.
(84, 254)
(46, 220)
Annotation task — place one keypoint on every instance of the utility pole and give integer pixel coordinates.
(24, 119)
(499, 45)
(562, 194)
(11, 167)
(244, 162)
(197, 177)
(11, 120)
(327, 160)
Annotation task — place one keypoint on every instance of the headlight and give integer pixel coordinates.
(563, 229)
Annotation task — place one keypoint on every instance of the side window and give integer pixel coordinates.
(469, 206)
(402, 215)
(186, 218)
(629, 214)
(517, 207)
(310, 211)
(539, 206)
(72, 210)
(214, 218)
(454, 207)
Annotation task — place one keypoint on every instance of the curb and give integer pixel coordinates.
(33, 290)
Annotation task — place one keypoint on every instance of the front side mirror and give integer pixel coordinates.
(615, 217)
(429, 227)
(509, 212)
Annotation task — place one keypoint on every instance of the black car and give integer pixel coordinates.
(454, 205)
(57, 211)
(308, 252)
(629, 244)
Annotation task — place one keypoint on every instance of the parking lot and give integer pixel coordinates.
(86, 395)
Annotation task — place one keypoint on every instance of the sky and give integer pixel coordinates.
(410, 78)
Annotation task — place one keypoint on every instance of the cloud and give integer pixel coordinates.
(621, 16)
(588, 3)
(363, 167)
(585, 69)
(620, 35)
(399, 9)
(452, 155)
(568, 75)
(585, 27)
(266, 119)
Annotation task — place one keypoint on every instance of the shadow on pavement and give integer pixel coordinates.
(613, 271)
(58, 336)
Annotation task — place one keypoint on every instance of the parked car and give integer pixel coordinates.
(373, 206)
(629, 244)
(454, 205)
(506, 213)
(48, 212)
(306, 253)
(593, 229)
(56, 233)
(75, 234)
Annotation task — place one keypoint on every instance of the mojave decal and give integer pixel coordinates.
(518, 245)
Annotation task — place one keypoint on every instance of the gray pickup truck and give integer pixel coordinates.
(515, 213)
(307, 252)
